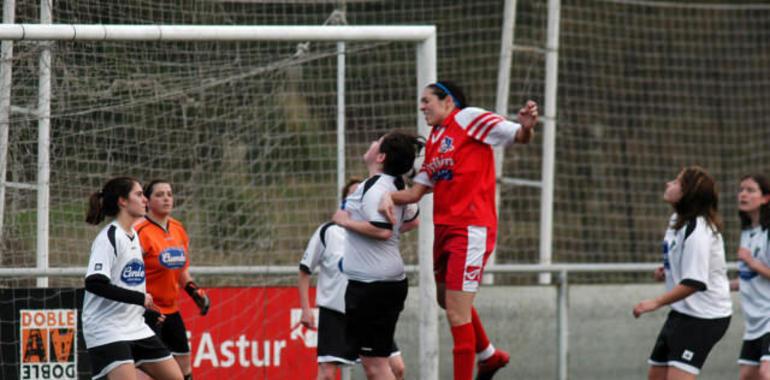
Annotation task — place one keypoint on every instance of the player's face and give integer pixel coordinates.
(434, 109)
(750, 197)
(373, 154)
(673, 191)
(136, 204)
(161, 200)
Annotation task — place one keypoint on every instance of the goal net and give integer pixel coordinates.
(645, 88)
(246, 132)
(639, 96)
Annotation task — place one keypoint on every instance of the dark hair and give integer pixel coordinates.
(445, 88)
(699, 198)
(400, 149)
(105, 202)
(764, 210)
(150, 187)
(346, 189)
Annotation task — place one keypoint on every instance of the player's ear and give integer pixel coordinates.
(122, 202)
(447, 103)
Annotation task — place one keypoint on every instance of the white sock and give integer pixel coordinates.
(486, 354)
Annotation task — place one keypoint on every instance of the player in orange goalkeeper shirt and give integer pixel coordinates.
(165, 248)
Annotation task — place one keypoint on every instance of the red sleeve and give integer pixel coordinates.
(487, 127)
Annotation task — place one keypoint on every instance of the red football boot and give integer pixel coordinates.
(488, 368)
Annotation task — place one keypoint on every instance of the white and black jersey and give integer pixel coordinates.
(755, 289)
(368, 259)
(116, 255)
(323, 253)
(694, 255)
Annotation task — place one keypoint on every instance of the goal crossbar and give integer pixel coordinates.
(80, 32)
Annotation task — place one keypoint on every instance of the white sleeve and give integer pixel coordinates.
(695, 256)
(315, 248)
(411, 212)
(487, 127)
(103, 255)
(370, 204)
(423, 179)
(335, 240)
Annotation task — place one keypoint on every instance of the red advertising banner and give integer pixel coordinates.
(250, 333)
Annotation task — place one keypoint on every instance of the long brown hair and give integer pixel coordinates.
(764, 210)
(699, 198)
(105, 201)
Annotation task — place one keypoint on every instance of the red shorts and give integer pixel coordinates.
(460, 254)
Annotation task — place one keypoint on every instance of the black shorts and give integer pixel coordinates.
(172, 332)
(333, 345)
(754, 351)
(684, 342)
(371, 311)
(109, 356)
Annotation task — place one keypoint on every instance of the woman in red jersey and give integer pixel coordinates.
(459, 169)
(165, 247)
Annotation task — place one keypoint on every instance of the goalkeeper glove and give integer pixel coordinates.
(199, 296)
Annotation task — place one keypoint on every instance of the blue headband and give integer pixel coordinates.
(446, 90)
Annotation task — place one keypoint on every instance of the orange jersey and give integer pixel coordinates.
(165, 257)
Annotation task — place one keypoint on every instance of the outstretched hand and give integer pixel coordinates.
(308, 319)
(386, 208)
(659, 274)
(199, 296)
(528, 115)
(745, 256)
(149, 304)
(645, 306)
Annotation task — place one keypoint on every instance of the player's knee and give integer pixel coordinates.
(375, 370)
(764, 372)
(398, 369)
(327, 372)
(456, 317)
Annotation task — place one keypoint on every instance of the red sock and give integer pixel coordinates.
(464, 355)
(482, 341)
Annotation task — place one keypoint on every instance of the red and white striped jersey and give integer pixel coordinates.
(459, 166)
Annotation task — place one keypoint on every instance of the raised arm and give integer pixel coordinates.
(401, 197)
(527, 118)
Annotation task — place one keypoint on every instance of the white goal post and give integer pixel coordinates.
(424, 38)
